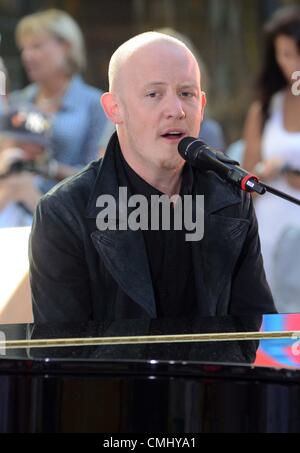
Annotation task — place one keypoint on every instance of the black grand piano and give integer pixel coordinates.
(193, 375)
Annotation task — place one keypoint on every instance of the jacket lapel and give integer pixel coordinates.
(124, 255)
(123, 252)
(216, 255)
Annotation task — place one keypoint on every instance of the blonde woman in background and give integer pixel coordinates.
(53, 54)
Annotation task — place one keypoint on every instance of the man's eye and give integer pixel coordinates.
(187, 94)
(152, 95)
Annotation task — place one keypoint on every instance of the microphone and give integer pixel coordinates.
(199, 155)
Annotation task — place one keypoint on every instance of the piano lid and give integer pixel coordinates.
(269, 341)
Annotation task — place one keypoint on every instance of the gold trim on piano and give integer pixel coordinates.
(159, 339)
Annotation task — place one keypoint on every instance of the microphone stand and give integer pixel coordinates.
(280, 194)
(200, 155)
(250, 183)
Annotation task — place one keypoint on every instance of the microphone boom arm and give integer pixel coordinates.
(198, 154)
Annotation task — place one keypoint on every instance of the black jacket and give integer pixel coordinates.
(79, 273)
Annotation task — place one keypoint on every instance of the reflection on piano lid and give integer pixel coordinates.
(190, 338)
(223, 339)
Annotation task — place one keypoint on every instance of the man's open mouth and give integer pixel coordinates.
(173, 135)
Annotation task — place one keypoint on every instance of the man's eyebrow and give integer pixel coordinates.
(189, 85)
(151, 84)
(183, 85)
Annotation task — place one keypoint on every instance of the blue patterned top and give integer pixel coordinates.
(78, 124)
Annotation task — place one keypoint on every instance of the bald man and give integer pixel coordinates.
(94, 257)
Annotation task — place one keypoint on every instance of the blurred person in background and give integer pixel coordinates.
(24, 142)
(272, 138)
(3, 84)
(53, 54)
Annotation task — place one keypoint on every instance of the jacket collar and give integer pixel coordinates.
(208, 184)
(218, 193)
(106, 182)
(123, 252)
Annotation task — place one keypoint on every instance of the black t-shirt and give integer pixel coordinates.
(169, 254)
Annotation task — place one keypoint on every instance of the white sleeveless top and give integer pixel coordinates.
(274, 214)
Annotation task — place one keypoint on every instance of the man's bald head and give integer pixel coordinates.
(130, 48)
(155, 100)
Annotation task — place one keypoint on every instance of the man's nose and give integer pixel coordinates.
(174, 108)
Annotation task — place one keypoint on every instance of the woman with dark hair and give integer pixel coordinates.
(272, 135)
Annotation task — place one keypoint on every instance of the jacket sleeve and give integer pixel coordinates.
(58, 273)
(250, 291)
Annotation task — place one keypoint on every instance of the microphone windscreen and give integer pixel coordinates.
(189, 144)
(184, 144)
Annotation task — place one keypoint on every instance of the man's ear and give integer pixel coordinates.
(111, 107)
(203, 101)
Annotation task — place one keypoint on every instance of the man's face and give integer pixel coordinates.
(287, 55)
(161, 102)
